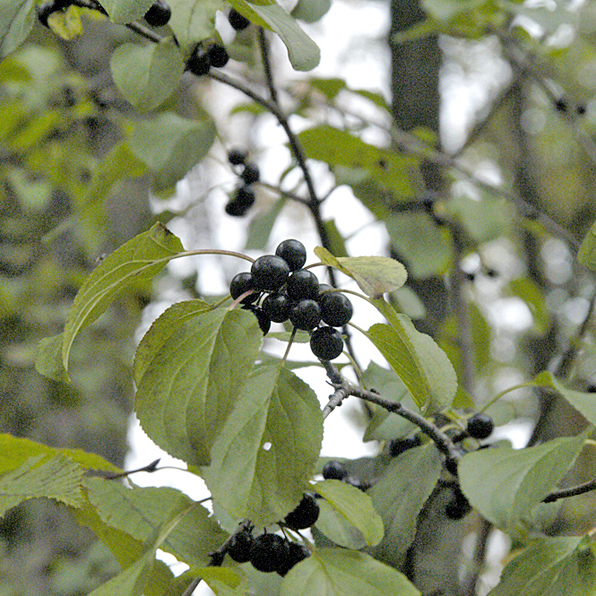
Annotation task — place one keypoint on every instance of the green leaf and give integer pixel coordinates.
(587, 250)
(505, 484)
(67, 24)
(551, 567)
(374, 275)
(341, 572)
(445, 10)
(303, 52)
(147, 75)
(125, 11)
(139, 260)
(141, 512)
(268, 448)
(310, 11)
(355, 507)
(48, 361)
(190, 369)
(56, 478)
(400, 495)
(417, 360)
(584, 402)
(16, 20)
(171, 145)
(131, 581)
(223, 581)
(193, 20)
(261, 225)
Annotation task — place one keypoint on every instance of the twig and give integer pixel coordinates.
(572, 491)
(264, 46)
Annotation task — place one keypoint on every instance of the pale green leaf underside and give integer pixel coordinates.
(16, 20)
(341, 572)
(193, 20)
(355, 507)
(267, 450)
(374, 275)
(505, 484)
(125, 11)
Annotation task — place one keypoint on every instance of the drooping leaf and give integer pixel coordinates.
(355, 507)
(48, 361)
(551, 567)
(399, 497)
(55, 478)
(261, 225)
(303, 52)
(583, 401)
(505, 484)
(374, 275)
(587, 250)
(339, 572)
(191, 368)
(16, 20)
(138, 260)
(418, 362)
(267, 450)
(311, 11)
(131, 581)
(193, 20)
(125, 11)
(171, 145)
(147, 75)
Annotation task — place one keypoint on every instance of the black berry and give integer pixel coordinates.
(480, 426)
(305, 314)
(237, 157)
(218, 55)
(398, 446)
(237, 20)
(243, 200)
(334, 470)
(303, 284)
(199, 62)
(561, 105)
(269, 273)
(262, 318)
(293, 253)
(158, 14)
(459, 506)
(580, 109)
(250, 174)
(326, 343)
(243, 283)
(236, 208)
(277, 307)
(268, 552)
(324, 289)
(336, 309)
(305, 515)
(239, 546)
(296, 552)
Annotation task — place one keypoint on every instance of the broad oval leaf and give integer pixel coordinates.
(311, 11)
(551, 567)
(374, 275)
(125, 11)
(191, 368)
(505, 484)
(16, 20)
(400, 495)
(147, 75)
(339, 572)
(417, 360)
(268, 448)
(193, 20)
(171, 145)
(140, 259)
(355, 507)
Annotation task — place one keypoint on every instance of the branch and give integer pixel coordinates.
(572, 491)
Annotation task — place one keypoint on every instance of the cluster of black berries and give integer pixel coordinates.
(244, 197)
(270, 552)
(207, 55)
(278, 289)
(335, 470)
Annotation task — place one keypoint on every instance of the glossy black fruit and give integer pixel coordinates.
(243, 283)
(268, 552)
(250, 174)
(305, 515)
(237, 20)
(269, 273)
(237, 157)
(324, 289)
(262, 317)
(292, 252)
(158, 14)
(218, 55)
(480, 426)
(240, 545)
(242, 202)
(277, 307)
(296, 552)
(336, 309)
(305, 314)
(303, 284)
(199, 62)
(326, 343)
(334, 470)
(237, 208)
(459, 506)
(398, 446)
